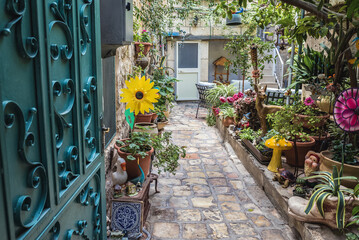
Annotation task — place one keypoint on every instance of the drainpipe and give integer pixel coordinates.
(300, 50)
(291, 70)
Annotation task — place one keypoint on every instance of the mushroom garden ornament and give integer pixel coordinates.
(278, 144)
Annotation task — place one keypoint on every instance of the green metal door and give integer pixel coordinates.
(51, 166)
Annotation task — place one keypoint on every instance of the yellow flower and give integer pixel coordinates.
(352, 61)
(140, 95)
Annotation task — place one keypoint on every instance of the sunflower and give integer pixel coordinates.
(140, 95)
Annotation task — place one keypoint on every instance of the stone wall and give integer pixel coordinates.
(124, 63)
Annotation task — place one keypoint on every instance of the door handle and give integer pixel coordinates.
(104, 131)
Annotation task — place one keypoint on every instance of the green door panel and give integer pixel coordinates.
(52, 176)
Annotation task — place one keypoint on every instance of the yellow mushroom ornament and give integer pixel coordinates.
(277, 144)
(139, 95)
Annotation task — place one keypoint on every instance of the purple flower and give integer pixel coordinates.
(346, 110)
(309, 101)
(223, 99)
(230, 99)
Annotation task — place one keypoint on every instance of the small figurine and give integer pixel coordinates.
(244, 123)
(117, 191)
(311, 163)
(139, 186)
(131, 189)
(284, 177)
(120, 176)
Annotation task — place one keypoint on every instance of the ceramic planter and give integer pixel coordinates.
(319, 141)
(143, 118)
(327, 163)
(304, 119)
(214, 111)
(161, 125)
(133, 171)
(302, 149)
(154, 117)
(149, 128)
(146, 47)
(228, 121)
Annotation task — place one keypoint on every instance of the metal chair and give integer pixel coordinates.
(202, 96)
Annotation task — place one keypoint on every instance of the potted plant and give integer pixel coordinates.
(162, 119)
(143, 118)
(309, 115)
(282, 122)
(330, 203)
(213, 95)
(142, 44)
(228, 115)
(253, 141)
(167, 153)
(136, 150)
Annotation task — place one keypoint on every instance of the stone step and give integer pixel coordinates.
(267, 71)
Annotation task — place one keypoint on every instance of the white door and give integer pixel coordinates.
(188, 70)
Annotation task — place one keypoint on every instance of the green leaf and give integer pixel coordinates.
(340, 216)
(320, 201)
(313, 199)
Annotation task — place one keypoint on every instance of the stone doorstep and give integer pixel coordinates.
(277, 195)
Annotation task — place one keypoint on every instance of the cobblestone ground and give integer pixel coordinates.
(209, 198)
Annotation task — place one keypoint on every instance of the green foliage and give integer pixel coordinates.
(239, 48)
(221, 90)
(138, 145)
(330, 186)
(228, 112)
(167, 153)
(210, 119)
(249, 134)
(282, 122)
(349, 152)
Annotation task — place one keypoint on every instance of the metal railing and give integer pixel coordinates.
(278, 68)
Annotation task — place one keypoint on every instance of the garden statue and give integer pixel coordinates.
(311, 163)
(244, 123)
(120, 176)
(131, 189)
(262, 109)
(284, 177)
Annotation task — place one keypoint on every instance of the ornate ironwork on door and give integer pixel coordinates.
(51, 167)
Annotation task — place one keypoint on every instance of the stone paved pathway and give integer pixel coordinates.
(209, 198)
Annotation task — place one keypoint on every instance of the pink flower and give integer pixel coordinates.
(247, 100)
(309, 101)
(144, 30)
(217, 110)
(235, 97)
(223, 99)
(230, 99)
(240, 95)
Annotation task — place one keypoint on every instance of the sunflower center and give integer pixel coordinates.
(139, 95)
(356, 111)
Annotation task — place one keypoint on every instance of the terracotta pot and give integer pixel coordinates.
(143, 118)
(149, 128)
(146, 48)
(319, 141)
(167, 114)
(228, 121)
(154, 117)
(161, 125)
(132, 168)
(304, 119)
(302, 149)
(327, 163)
(142, 62)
